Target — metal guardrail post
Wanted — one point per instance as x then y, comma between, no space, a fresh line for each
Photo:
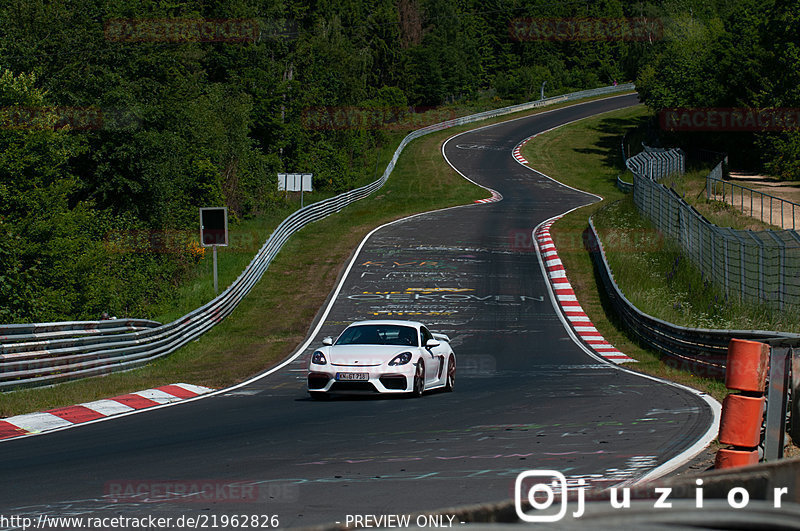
726,266
794,429
741,199
781,245
723,191
713,248
742,262
761,273
777,398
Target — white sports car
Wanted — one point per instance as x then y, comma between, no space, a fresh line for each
382,357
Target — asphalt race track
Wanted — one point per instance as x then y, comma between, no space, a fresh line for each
527,397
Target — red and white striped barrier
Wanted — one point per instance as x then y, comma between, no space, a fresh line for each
54,419
568,302
517,152
496,196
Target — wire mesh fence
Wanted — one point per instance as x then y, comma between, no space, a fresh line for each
766,207
657,163
761,266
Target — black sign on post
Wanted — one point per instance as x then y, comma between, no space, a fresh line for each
214,232
214,226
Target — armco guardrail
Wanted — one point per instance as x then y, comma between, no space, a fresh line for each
17,333
623,186
55,360
699,350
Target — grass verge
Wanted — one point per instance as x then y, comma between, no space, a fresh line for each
692,188
277,314
586,155
659,280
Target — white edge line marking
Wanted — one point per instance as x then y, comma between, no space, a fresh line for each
338,289
716,408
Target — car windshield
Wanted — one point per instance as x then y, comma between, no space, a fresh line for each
379,335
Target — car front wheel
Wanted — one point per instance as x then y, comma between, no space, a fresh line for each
451,375
419,380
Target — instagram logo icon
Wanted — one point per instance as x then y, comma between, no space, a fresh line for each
539,489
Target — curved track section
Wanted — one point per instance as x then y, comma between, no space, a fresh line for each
527,396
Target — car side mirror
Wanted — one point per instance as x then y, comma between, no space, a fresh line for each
328,341
432,343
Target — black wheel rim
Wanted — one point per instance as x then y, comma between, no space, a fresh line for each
451,373
419,382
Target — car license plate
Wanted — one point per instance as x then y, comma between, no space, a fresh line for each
352,376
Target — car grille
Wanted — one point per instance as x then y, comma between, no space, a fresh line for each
354,386
317,381
396,383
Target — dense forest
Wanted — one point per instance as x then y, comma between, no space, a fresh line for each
741,55
125,117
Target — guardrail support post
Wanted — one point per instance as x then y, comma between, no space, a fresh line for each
776,403
794,430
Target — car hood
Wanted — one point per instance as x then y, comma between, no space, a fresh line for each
365,355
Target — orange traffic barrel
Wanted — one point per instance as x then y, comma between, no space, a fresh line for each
740,424
730,458
746,367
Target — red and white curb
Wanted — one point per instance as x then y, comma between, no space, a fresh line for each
54,419
568,302
517,152
496,196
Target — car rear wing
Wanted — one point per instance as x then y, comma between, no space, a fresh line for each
441,337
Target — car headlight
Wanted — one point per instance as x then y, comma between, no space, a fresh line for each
401,359
318,358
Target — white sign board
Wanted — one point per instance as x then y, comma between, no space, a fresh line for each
295,182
